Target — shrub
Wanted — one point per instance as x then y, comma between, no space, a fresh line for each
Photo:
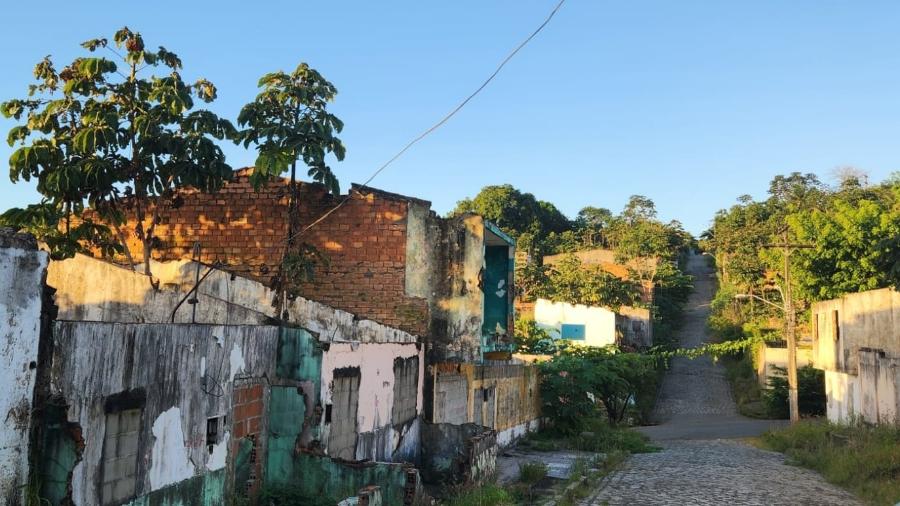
810,393
582,382
532,472
530,338
484,495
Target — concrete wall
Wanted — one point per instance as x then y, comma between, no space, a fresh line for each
769,359
22,272
328,341
599,322
856,340
603,327
446,265
504,397
178,376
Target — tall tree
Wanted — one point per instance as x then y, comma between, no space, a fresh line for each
289,123
115,139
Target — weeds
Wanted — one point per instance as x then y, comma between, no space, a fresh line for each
532,472
863,459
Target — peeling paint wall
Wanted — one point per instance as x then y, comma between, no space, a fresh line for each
99,368
378,438
22,272
512,408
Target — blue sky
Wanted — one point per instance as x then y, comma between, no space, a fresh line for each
690,103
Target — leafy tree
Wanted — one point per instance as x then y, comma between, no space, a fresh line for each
115,139
520,215
289,122
530,338
582,382
572,282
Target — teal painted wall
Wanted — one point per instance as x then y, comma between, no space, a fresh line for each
287,410
59,455
205,490
299,356
496,290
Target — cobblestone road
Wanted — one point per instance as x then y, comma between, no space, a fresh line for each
700,462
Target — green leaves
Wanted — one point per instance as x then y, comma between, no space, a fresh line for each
17,134
94,67
290,123
106,137
93,44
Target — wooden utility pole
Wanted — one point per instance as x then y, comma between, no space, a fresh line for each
790,320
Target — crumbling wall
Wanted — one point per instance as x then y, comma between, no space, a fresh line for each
22,272
246,230
458,453
378,438
180,380
504,397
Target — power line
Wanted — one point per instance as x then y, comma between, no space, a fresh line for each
439,123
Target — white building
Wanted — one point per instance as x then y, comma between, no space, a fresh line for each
857,343
594,325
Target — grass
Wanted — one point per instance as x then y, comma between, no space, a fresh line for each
532,472
745,388
860,458
597,436
488,494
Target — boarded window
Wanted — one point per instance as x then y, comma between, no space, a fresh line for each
484,406
576,332
120,453
406,389
344,404
835,326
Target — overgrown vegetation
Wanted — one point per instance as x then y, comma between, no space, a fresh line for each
810,393
861,458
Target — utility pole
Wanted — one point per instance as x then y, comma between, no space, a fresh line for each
790,320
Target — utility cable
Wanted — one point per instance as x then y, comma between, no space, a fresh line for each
439,123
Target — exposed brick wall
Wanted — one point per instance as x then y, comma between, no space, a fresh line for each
248,405
364,242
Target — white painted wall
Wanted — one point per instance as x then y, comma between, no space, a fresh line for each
22,271
376,383
599,323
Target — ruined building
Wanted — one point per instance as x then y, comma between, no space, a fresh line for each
391,366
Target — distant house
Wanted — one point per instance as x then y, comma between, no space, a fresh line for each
857,343
595,325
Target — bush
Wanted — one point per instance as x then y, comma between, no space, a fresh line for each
810,393
863,459
530,338
582,383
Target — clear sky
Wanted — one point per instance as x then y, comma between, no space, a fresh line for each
690,103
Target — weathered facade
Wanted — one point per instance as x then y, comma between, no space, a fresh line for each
856,340
207,384
388,257
22,271
226,400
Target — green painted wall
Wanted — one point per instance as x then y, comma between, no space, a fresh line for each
496,290
205,490
59,454
287,409
316,476
299,356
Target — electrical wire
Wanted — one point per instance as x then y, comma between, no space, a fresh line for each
437,125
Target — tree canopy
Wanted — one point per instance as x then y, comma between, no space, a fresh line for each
103,133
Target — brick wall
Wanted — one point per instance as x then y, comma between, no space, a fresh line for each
364,243
247,415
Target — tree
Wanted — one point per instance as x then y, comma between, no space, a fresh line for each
116,140
516,213
289,122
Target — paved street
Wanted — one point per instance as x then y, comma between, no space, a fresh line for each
701,461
